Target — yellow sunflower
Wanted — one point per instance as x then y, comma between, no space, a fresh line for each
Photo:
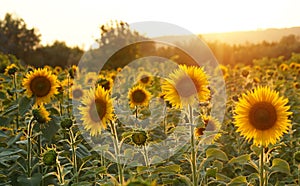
105,82
97,110
184,85
11,69
41,84
40,114
262,115
145,78
76,92
139,96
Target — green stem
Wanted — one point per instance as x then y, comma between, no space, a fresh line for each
59,172
29,158
261,166
74,158
117,152
16,97
193,153
146,156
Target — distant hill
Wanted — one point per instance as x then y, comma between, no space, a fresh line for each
242,37
269,35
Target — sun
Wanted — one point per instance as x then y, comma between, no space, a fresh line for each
185,85
40,84
262,115
97,110
139,96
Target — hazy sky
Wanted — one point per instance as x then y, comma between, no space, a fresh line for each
77,21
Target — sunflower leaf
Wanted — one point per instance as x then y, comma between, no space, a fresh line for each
280,165
214,153
240,159
237,181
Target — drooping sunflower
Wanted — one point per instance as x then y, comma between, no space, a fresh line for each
262,115
97,110
40,114
184,85
139,96
41,84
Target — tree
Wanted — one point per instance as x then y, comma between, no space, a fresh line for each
16,38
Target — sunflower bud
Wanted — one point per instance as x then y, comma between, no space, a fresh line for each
66,123
49,157
139,138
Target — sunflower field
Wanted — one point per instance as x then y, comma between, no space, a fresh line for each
149,126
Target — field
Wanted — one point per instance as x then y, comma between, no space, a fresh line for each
142,125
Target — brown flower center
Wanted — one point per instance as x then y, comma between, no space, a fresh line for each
186,87
98,110
138,96
262,116
77,93
145,79
40,86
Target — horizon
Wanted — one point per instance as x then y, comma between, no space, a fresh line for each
77,23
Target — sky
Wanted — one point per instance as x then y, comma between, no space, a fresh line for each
77,22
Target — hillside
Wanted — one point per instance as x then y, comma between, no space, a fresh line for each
269,35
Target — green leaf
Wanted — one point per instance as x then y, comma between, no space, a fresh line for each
168,169
10,109
240,159
30,181
25,104
280,165
14,139
222,177
2,95
156,159
238,181
215,153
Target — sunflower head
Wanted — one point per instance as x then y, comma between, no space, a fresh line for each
106,83
145,78
11,69
77,92
40,114
40,84
97,110
66,123
139,96
139,137
262,115
72,71
283,67
49,157
184,85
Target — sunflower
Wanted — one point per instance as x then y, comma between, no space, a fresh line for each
41,84
145,78
105,82
262,115
77,92
11,69
97,110
40,114
184,85
138,95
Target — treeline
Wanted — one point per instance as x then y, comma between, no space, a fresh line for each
16,39
246,53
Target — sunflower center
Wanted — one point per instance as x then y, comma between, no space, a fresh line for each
98,110
77,93
40,86
186,87
138,96
145,79
263,116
